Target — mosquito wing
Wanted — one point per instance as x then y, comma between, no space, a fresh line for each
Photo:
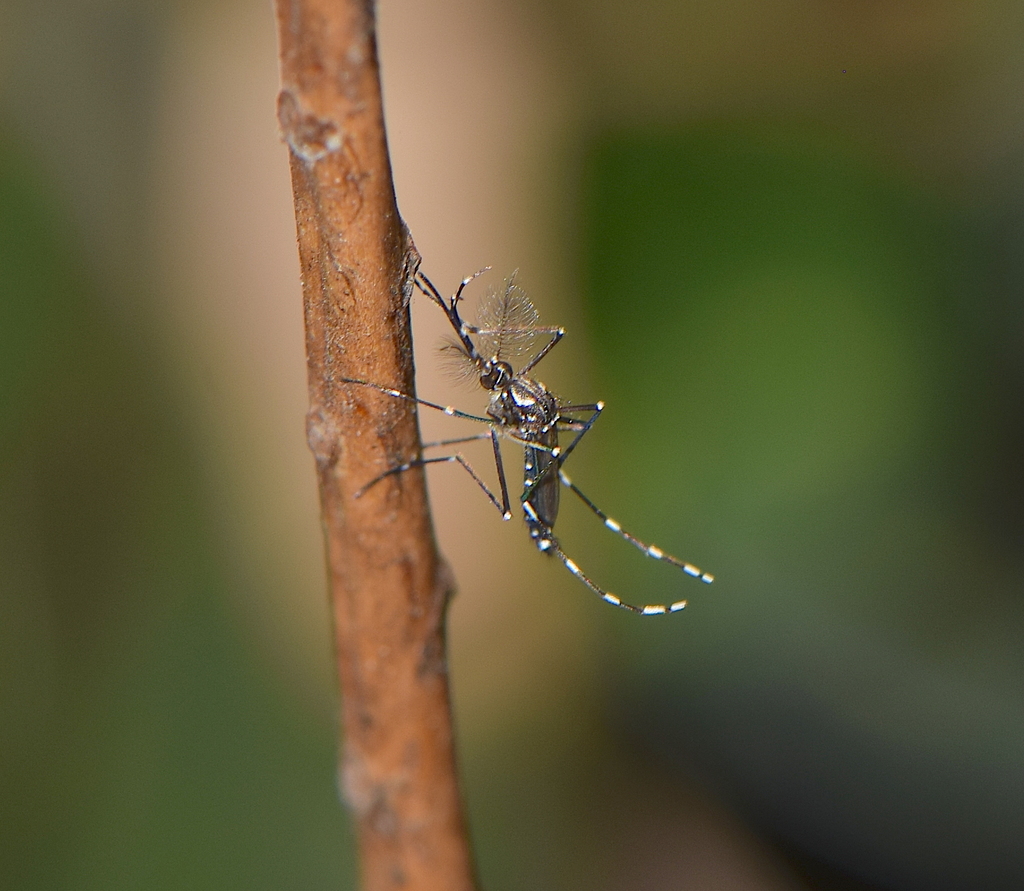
506,322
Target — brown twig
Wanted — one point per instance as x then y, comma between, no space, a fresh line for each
388,587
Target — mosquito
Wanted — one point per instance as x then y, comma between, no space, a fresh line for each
524,410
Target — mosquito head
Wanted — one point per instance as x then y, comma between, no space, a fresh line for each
495,374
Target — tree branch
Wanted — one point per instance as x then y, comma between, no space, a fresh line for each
388,586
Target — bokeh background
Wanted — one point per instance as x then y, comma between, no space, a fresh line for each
787,240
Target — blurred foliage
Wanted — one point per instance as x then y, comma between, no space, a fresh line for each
802,364
144,746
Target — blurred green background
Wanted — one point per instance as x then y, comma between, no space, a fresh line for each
787,242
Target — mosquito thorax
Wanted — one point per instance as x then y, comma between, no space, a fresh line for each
495,374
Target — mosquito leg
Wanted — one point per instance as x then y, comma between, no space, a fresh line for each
557,335
562,454
596,408
422,462
506,510
457,296
447,409
650,550
427,287
532,329
446,442
451,308
532,487
572,409
651,609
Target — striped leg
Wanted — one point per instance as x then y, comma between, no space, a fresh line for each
580,427
446,409
505,512
583,426
651,609
652,551
548,544
427,287
503,506
446,442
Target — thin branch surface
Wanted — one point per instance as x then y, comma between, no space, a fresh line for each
388,587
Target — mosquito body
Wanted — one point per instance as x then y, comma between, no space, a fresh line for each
522,409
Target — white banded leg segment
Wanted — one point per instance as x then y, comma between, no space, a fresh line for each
398,394
444,459
461,439
652,551
581,428
651,609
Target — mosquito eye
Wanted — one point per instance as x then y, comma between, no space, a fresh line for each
495,374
